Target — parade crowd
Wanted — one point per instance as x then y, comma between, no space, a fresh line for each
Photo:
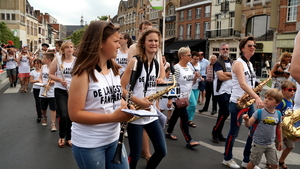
87,87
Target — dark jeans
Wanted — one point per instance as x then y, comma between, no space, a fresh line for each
37,99
223,101
210,93
61,97
135,139
182,113
234,131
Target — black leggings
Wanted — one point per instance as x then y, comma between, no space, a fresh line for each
37,99
61,98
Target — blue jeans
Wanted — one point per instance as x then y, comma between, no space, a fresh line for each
193,104
135,139
234,131
100,157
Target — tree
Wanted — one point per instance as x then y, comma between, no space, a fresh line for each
76,36
103,18
6,35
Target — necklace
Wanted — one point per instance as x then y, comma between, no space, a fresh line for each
110,87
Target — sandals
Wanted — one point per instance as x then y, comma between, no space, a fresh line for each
282,165
192,124
170,136
69,143
61,143
190,145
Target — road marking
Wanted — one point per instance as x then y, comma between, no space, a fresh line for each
13,89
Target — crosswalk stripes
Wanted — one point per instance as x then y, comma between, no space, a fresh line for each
13,89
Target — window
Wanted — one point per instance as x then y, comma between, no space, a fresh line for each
206,28
207,11
198,13
197,31
171,10
259,27
2,16
190,14
292,10
231,19
181,16
188,31
13,16
219,23
7,16
180,32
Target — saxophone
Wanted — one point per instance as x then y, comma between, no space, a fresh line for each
153,97
246,100
288,128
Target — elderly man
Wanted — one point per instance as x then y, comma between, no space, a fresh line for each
222,90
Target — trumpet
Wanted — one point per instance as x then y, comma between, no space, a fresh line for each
47,87
61,68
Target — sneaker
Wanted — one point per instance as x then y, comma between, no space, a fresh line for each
230,163
44,121
244,165
222,138
53,127
15,84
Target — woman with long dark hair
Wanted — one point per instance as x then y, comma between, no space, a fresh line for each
95,99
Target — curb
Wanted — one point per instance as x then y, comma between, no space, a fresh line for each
3,82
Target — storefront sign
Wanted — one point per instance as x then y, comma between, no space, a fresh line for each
259,46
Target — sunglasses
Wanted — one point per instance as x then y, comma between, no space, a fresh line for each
249,46
225,49
290,89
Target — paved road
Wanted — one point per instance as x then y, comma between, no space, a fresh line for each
25,144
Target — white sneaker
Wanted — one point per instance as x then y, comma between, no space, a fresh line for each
230,163
244,165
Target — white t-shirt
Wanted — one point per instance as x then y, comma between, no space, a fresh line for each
99,99
138,92
10,63
237,91
45,77
35,76
67,71
226,85
122,60
198,68
184,77
24,65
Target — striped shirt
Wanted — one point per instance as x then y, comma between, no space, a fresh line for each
209,73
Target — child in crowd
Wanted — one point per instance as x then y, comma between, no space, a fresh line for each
47,92
164,100
34,78
268,122
288,92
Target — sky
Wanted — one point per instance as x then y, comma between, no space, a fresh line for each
68,12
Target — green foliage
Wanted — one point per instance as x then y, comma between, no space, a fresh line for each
6,35
103,18
76,36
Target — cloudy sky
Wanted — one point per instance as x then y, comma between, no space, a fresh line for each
68,12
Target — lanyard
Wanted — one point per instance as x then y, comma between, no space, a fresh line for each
147,75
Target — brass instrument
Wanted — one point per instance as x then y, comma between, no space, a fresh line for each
246,100
47,87
153,97
288,128
61,68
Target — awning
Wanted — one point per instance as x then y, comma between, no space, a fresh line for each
194,45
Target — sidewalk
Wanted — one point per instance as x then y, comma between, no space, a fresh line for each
3,79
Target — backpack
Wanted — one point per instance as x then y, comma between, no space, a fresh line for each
254,126
284,104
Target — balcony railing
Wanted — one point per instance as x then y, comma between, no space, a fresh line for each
222,33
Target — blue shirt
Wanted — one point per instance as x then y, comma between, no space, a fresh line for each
284,105
203,63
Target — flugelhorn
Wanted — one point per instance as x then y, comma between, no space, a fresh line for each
46,87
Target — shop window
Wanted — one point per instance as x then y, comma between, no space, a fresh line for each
259,27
